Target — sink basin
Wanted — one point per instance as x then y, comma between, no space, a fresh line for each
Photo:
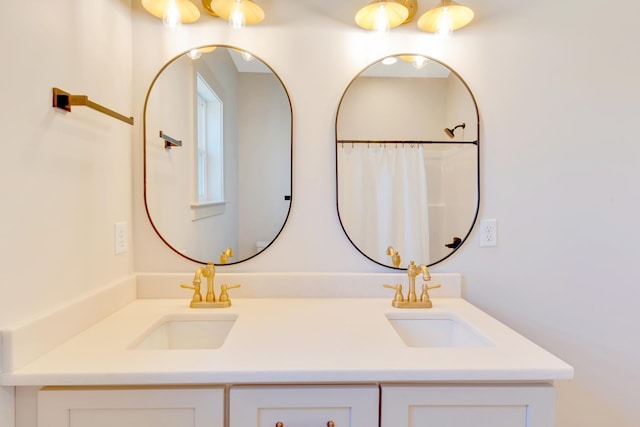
187,332
436,330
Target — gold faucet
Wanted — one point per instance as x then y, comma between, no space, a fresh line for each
226,254
208,272
412,300
395,256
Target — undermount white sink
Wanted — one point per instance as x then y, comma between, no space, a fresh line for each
436,330
187,332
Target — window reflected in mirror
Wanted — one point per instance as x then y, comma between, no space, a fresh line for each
209,155
228,185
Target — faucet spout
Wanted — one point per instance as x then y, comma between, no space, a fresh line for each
413,271
425,273
412,300
208,272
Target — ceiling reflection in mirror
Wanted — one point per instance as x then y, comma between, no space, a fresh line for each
407,157
217,155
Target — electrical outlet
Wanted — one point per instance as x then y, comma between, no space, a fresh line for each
488,232
120,237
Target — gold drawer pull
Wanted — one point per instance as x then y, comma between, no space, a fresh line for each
329,424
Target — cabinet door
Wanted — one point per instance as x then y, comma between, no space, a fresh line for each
135,407
468,406
304,406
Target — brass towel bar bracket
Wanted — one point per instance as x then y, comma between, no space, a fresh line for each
170,142
65,100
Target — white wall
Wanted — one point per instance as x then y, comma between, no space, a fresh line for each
380,108
558,94
264,160
66,177
170,173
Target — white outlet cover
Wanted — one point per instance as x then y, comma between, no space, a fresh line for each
120,237
488,232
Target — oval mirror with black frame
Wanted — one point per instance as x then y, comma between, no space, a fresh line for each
407,161
217,155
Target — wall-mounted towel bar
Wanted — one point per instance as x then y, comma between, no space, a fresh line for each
65,100
170,142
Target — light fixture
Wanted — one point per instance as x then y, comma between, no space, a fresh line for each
197,52
238,12
172,12
194,54
382,15
417,61
445,18
176,12
244,54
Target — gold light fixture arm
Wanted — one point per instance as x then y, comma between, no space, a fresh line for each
64,100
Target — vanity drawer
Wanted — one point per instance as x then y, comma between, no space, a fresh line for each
468,405
304,406
131,407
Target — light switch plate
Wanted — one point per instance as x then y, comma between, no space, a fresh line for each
120,237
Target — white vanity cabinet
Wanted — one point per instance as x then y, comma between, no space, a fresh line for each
131,407
467,405
270,405
302,406
377,380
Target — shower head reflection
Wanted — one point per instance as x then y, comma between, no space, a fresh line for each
451,132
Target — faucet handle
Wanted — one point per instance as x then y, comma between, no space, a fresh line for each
398,297
425,292
197,296
224,295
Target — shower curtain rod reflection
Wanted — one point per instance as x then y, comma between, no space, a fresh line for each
361,141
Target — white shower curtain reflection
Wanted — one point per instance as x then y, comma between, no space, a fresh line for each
382,199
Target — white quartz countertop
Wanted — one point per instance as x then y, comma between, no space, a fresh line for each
290,340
